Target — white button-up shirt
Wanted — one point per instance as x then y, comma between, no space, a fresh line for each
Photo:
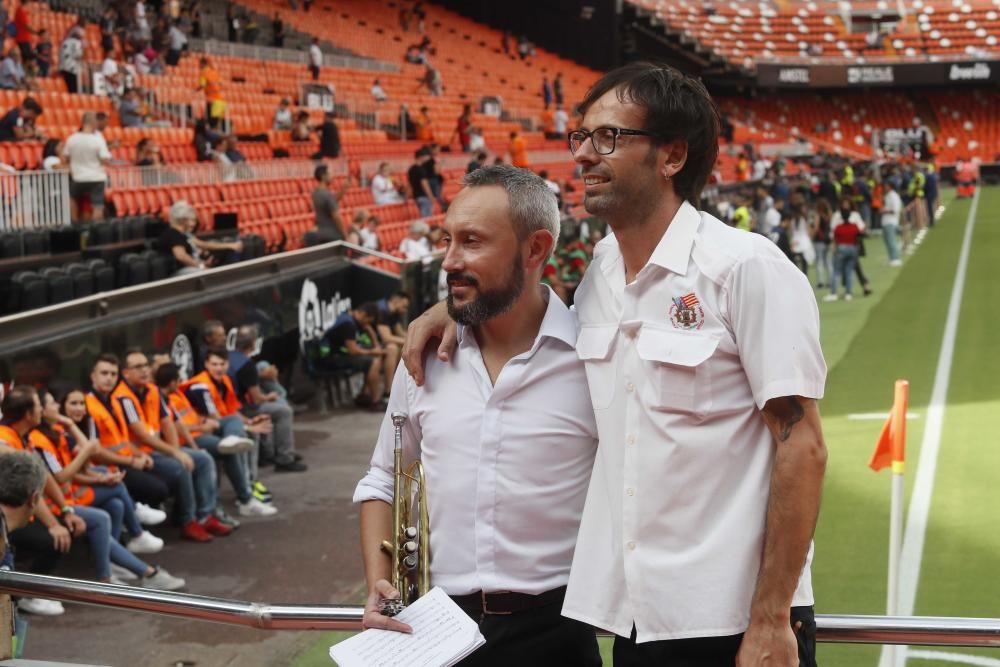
679,363
507,465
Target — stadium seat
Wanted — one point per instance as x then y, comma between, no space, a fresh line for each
133,269
28,291
83,279
59,285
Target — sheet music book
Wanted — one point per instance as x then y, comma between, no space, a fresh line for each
443,634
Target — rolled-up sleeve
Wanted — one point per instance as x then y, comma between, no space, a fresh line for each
377,484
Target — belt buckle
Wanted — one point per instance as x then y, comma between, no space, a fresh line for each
487,611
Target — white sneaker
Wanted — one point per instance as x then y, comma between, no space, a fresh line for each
146,543
122,574
234,444
162,580
149,516
254,507
896,262
830,297
41,607
848,297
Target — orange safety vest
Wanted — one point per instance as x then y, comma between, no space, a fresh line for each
185,412
75,494
111,428
10,437
209,80
149,410
518,152
229,406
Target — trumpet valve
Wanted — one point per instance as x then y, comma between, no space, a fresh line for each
410,533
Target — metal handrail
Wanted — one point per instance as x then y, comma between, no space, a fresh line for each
910,630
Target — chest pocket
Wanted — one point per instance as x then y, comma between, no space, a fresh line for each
680,377
593,346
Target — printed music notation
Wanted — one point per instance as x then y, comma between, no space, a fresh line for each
442,635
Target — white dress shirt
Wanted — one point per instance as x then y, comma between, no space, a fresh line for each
507,465
679,364
891,208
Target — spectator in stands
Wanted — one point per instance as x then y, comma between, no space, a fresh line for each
176,43
462,127
557,89
22,484
518,149
251,29
112,74
892,209
246,380
351,345
210,83
477,162
231,150
277,32
130,110
384,190
87,153
546,92
326,205
523,47
300,128
232,22
222,437
393,311
51,156
378,94
148,154
43,53
560,119
191,253
315,59
433,81
18,124
422,124
369,234
71,59
22,31
282,116
107,24
822,237
12,71
476,141
353,234
420,186
329,138
415,246
205,140
434,176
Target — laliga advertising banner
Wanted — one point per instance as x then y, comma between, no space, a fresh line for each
773,75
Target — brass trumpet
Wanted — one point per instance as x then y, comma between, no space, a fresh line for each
410,548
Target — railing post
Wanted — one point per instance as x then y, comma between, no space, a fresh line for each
6,627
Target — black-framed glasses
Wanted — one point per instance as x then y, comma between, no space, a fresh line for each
604,139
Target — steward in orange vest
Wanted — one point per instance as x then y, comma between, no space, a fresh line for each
56,456
211,398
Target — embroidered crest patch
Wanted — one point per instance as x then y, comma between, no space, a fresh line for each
686,312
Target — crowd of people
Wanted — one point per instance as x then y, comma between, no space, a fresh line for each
138,439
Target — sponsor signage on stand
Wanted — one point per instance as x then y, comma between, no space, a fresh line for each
774,75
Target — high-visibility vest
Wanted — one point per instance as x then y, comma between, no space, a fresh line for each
148,409
210,82
112,431
75,494
185,412
10,437
225,407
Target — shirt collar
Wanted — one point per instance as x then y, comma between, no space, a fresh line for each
558,322
672,252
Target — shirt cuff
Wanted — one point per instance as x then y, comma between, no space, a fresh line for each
789,387
376,485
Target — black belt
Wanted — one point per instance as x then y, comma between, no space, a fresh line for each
504,604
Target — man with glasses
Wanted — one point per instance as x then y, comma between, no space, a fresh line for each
701,346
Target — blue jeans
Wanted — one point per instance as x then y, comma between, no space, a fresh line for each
232,464
845,258
425,205
889,233
116,501
105,550
824,263
188,487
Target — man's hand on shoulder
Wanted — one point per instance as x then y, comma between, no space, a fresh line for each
434,323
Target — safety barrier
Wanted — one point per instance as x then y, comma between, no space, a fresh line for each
33,199
206,173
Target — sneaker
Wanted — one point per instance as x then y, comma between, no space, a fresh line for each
122,582
195,532
224,517
149,516
215,527
123,575
41,607
162,580
260,492
830,297
868,291
291,466
896,262
146,543
254,507
848,297
234,444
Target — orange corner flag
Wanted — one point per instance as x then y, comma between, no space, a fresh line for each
891,447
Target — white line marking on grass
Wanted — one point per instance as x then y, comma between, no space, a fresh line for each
878,416
923,486
962,658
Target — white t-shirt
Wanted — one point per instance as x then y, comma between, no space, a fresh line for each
560,119
369,239
772,218
85,151
414,249
315,55
892,206
70,55
384,191
378,93
109,67
51,163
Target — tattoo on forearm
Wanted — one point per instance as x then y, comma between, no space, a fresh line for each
792,414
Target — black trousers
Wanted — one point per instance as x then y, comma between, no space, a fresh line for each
708,651
539,637
34,550
145,487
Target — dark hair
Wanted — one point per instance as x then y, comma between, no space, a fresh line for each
51,148
219,352
31,104
18,402
166,373
678,107
369,309
400,295
320,172
107,357
84,423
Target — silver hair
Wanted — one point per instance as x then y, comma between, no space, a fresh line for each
533,205
21,474
89,118
246,337
181,210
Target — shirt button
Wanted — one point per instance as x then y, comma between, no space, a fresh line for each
631,546
630,491
630,387
631,440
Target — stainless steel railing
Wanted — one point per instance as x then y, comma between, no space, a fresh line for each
911,630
